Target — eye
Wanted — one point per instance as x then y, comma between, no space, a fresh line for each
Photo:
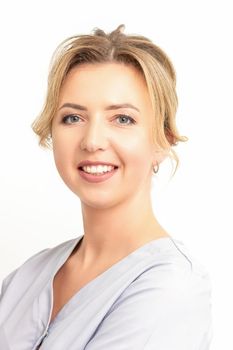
124,117
71,117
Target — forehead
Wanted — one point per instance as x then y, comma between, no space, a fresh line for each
113,82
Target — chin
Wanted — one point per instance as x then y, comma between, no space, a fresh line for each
99,204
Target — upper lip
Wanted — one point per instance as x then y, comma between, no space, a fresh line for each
88,162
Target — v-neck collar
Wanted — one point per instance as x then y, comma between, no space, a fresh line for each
148,247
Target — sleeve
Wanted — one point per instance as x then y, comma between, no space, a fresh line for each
160,311
6,282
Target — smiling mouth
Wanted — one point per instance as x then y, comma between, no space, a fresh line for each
97,176
96,173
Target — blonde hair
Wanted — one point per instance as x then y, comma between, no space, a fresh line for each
135,50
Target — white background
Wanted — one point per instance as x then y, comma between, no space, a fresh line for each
38,211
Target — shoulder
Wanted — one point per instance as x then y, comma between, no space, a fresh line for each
173,265
33,266
181,294
175,286
177,276
168,305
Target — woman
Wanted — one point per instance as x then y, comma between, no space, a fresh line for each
125,283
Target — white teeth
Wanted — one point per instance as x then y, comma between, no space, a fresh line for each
97,169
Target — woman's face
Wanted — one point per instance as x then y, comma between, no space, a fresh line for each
96,128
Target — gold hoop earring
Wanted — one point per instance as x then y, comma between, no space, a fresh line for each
156,168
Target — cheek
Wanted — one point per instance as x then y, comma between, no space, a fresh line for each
63,155
136,152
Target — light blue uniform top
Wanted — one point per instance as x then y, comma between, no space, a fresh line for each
156,298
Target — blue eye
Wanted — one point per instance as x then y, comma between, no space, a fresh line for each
126,117
71,117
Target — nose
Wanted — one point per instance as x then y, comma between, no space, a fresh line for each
94,137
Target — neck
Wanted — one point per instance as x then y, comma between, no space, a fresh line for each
114,232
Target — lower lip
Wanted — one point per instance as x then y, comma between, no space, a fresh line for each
97,178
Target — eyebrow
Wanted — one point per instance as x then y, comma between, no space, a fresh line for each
108,108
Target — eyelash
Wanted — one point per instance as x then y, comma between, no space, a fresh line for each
119,115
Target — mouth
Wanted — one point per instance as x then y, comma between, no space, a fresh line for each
82,169
96,175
